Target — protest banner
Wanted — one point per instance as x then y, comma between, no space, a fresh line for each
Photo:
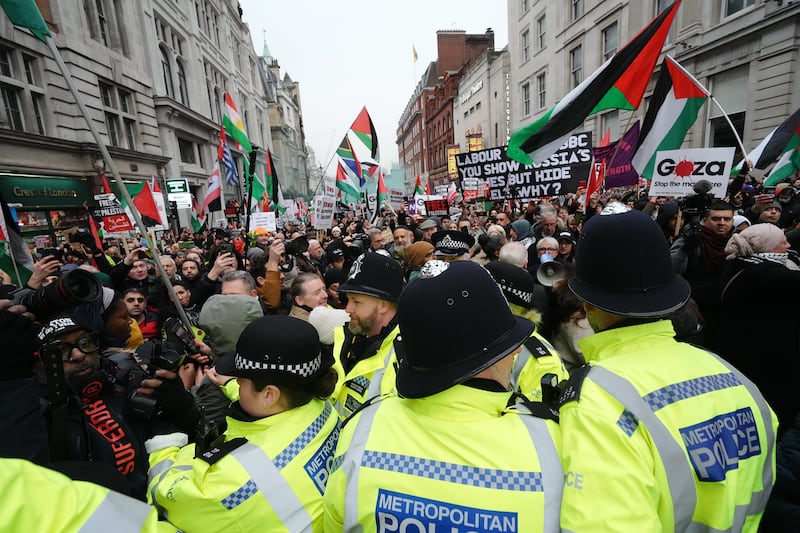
677,171
506,178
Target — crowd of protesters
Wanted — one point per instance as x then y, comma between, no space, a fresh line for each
197,420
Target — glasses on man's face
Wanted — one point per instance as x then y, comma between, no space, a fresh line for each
87,344
134,300
547,249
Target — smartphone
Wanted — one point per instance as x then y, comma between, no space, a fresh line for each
582,184
769,190
54,252
578,217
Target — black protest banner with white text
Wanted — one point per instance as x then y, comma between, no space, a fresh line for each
557,175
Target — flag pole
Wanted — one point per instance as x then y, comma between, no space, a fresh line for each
728,119
115,172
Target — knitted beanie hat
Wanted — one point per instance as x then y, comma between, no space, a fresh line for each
417,251
757,238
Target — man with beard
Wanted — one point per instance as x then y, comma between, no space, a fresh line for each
364,348
699,256
85,420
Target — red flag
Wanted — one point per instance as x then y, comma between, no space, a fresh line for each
106,186
606,138
146,205
595,180
428,188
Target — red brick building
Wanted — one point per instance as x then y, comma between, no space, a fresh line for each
426,126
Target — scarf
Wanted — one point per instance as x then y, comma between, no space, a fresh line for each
713,246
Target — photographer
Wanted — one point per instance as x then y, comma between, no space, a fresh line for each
223,259
699,256
86,418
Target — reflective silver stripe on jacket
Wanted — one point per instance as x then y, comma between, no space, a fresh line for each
519,364
377,377
117,513
161,469
680,478
551,470
351,465
549,480
273,487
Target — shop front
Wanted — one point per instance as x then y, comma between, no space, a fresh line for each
46,205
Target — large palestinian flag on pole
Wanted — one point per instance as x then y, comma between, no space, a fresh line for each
773,146
619,83
673,109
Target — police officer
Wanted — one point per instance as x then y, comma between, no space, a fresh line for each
658,435
38,499
448,455
538,359
270,471
363,348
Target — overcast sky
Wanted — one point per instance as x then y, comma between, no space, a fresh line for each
350,53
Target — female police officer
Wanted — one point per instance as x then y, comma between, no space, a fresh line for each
270,472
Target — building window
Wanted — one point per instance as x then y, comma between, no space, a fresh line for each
576,66
166,73
541,90
540,33
576,9
526,45
12,108
187,151
730,88
119,114
102,22
22,97
182,87
609,122
734,6
524,6
610,41
526,99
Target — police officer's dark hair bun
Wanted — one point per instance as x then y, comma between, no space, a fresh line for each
299,394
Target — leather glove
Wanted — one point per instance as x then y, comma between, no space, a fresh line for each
18,339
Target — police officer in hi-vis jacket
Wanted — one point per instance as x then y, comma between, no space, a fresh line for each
448,455
658,435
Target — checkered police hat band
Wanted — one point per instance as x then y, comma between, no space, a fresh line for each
523,295
306,369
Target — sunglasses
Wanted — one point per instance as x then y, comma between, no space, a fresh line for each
87,344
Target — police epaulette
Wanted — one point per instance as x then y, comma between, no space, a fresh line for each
537,347
537,409
572,387
218,452
367,403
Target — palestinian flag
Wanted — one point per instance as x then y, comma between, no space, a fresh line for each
673,109
618,84
274,193
143,201
26,14
259,200
789,164
345,183
198,217
382,194
364,129
15,257
234,124
773,145
418,187
348,156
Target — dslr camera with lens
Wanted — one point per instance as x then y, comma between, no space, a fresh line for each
163,356
72,288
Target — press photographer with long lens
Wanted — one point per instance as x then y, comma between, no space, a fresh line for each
698,254
88,416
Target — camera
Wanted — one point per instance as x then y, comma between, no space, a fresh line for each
695,205
162,356
72,288
294,248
